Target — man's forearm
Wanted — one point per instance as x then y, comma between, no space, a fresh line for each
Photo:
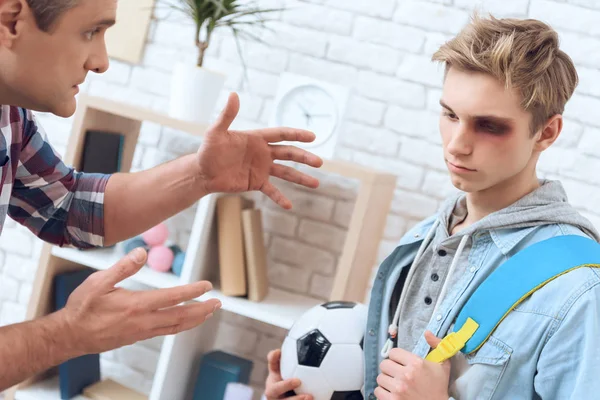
135,202
32,347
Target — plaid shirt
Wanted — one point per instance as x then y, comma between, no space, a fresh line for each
58,204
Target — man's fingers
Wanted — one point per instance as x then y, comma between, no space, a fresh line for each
274,135
292,175
194,312
182,318
278,389
274,194
124,268
228,114
163,298
293,153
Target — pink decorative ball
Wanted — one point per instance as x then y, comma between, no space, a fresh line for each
156,236
160,258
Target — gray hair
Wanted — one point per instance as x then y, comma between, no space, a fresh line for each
47,12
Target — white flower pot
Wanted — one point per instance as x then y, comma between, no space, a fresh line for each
194,92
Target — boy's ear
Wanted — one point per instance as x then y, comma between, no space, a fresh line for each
11,11
549,133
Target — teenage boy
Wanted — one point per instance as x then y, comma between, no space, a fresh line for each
505,87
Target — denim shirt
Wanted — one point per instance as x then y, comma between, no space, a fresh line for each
546,348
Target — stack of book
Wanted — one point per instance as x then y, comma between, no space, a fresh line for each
242,252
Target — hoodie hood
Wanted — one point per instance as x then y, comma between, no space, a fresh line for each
546,205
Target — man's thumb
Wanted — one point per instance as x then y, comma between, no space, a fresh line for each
126,266
229,113
432,340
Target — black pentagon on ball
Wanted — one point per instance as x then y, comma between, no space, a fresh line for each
312,349
352,395
332,305
362,343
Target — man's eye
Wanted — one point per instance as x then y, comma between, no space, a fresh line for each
90,34
450,115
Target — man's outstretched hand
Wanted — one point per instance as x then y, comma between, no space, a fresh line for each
99,316
238,161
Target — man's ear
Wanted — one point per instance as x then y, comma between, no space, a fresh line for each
11,11
549,133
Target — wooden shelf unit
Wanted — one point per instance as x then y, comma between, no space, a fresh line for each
180,353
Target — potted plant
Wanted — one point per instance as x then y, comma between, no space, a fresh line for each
195,89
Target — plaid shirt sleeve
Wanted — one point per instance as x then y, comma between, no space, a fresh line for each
57,203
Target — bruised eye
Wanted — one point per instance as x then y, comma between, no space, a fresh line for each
492,128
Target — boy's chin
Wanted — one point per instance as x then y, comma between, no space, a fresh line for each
463,185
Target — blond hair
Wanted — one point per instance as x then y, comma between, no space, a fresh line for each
523,54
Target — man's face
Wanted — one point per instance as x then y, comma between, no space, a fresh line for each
485,133
45,68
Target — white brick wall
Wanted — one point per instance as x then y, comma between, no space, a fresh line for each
381,49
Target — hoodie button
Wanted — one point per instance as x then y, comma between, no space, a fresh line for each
428,300
442,253
435,277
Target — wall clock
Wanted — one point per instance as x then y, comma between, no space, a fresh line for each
313,105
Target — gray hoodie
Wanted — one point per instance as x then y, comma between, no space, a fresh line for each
420,290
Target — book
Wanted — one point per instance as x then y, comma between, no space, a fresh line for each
75,374
217,370
111,390
102,152
256,254
232,263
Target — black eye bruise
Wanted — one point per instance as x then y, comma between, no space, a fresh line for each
491,127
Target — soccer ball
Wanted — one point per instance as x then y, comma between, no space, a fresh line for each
324,349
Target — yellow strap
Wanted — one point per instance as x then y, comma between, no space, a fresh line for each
453,343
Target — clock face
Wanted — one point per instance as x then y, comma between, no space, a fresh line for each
311,108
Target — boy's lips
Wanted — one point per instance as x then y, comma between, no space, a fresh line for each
459,167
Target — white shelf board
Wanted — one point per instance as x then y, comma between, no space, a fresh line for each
44,390
101,259
279,308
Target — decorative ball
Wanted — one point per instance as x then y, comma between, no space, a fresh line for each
157,235
178,260
324,349
134,243
160,258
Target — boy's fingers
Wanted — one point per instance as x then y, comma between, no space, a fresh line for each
278,389
273,359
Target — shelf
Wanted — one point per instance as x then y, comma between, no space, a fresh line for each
43,390
141,114
101,259
279,308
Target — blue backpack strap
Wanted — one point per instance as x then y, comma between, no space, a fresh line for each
510,284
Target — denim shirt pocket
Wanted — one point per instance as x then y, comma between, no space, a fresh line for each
490,362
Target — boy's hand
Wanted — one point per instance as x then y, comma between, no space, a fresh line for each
276,387
404,376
